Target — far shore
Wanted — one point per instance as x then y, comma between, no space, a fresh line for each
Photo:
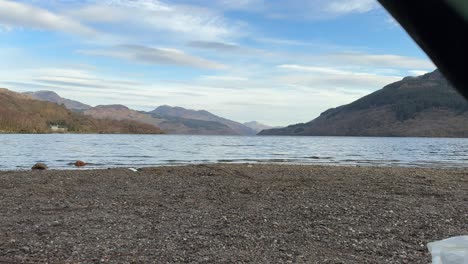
248,213
256,135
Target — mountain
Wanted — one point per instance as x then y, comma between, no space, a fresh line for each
50,96
20,113
169,124
424,106
121,112
179,113
257,126
172,120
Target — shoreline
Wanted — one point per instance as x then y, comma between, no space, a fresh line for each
89,166
255,213
226,135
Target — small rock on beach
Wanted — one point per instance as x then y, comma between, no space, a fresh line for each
80,163
39,166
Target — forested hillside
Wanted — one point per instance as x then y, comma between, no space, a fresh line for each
424,106
19,113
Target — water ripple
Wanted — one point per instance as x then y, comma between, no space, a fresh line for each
103,151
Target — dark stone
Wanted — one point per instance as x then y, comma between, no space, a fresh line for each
80,163
39,166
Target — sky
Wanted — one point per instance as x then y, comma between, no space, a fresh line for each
273,61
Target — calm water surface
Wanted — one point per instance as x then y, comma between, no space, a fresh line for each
104,151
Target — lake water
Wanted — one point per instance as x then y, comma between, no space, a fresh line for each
104,151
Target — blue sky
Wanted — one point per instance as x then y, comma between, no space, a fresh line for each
277,62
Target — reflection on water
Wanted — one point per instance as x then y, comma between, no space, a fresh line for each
103,151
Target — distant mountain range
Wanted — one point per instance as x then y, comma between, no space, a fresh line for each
257,126
201,119
424,106
55,98
172,120
22,113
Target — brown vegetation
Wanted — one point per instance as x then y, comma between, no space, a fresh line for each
21,114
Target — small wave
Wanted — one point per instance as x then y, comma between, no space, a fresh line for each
136,156
174,161
226,145
317,157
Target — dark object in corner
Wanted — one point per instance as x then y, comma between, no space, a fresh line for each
442,32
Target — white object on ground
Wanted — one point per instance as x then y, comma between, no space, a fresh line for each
453,250
133,169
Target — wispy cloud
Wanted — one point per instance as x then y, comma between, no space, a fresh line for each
222,78
217,46
315,77
143,17
277,41
137,20
16,14
418,72
341,7
318,9
381,60
157,56
66,80
297,9
315,69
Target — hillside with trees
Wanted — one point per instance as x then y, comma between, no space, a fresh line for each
424,106
20,113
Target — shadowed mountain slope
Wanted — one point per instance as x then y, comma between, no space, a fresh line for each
169,112
424,106
53,97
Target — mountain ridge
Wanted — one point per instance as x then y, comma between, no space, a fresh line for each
21,113
167,111
423,106
173,120
51,96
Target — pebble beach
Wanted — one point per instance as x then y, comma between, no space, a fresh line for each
225,213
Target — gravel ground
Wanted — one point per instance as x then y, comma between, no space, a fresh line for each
230,213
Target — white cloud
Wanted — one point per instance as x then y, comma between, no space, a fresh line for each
417,72
314,77
5,28
145,18
318,9
296,9
392,21
217,46
15,14
222,78
277,41
98,13
158,56
345,82
315,69
380,60
71,73
341,7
